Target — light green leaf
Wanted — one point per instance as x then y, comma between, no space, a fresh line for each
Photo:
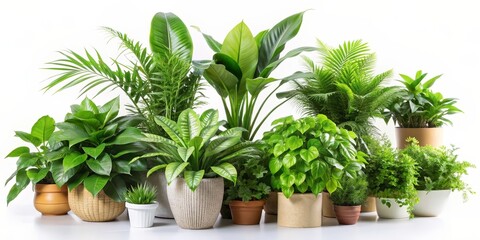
95,183
292,53
334,162
27,137
287,191
289,160
256,85
43,128
73,159
279,148
300,178
331,185
88,105
209,117
227,171
150,155
94,152
185,153
193,178
287,179
294,142
156,168
109,111
174,169
102,166
171,128
129,135
188,125
37,175
211,42
310,154
18,151
274,165
221,144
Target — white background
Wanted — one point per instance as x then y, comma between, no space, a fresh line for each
437,36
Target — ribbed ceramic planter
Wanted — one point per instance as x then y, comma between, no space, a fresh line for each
392,212
300,210
327,206
431,203
271,204
198,209
369,205
158,180
50,199
141,215
100,208
425,136
347,215
246,213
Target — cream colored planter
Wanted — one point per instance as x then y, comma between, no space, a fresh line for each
100,208
369,205
431,203
158,180
300,210
141,215
425,136
327,206
393,212
198,209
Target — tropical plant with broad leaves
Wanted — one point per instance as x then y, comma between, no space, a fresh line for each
241,68
33,165
196,149
100,147
344,87
161,81
311,154
419,106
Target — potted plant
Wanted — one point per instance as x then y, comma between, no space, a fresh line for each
391,179
159,80
96,166
247,196
35,167
307,156
439,173
420,112
141,205
349,198
198,158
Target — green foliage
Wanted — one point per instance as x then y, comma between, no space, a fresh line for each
438,168
33,165
241,68
161,82
196,149
390,174
344,87
141,194
352,191
310,154
419,106
100,145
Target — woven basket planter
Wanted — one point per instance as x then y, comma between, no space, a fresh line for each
199,209
100,208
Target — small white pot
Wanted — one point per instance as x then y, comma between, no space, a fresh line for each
431,203
141,215
392,212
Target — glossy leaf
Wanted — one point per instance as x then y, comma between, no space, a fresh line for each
21,183
174,169
227,171
94,152
188,125
292,53
294,142
289,160
43,128
18,151
71,133
129,135
300,178
27,137
209,117
274,165
116,189
193,178
309,154
256,85
171,128
230,64
37,175
121,167
156,168
221,79
102,166
109,110
95,183
185,153
60,176
287,179
73,159
279,149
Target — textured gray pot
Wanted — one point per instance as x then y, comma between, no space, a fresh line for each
198,209
158,180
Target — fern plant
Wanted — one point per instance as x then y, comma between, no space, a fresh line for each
344,87
161,81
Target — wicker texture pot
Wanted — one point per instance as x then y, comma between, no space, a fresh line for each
327,206
271,204
100,208
199,209
158,180
246,213
51,200
369,205
300,210
425,136
347,215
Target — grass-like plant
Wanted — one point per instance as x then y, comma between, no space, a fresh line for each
141,194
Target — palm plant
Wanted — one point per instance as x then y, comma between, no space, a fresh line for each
161,81
344,87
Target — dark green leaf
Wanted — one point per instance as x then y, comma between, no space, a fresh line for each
129,135
21,183
94,152
95,183
27,137
73,159
221,79
102,166
36,175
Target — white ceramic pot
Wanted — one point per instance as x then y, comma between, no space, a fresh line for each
300,210
431,203
158,180
393,212
141,215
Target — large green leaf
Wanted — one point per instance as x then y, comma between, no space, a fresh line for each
77,179
18,151
193,178
294,142
221,79
171,128
156,168
289,160
275,39
95,183
102,166
27,137
274,165
129,135
116,188
287,179
109,110
292,53
73,159
21,183
43,128
230,64
188,125
256,85
185,153
59,175
227,171
209,117
212,43
169,36
309,154
150,155
94,152
71,133
221,144
174,169
37,175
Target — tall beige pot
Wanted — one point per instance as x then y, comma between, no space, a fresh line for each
199,209
300,210
100,208
425,136
158,180
327,206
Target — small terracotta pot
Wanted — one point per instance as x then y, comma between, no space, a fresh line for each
369,205
246,213
425,136
51,200
327,206
347,215
271,204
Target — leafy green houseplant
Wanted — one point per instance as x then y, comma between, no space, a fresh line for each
344,87
141,204
241,68
252,182
348,198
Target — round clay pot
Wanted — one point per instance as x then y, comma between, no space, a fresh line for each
327,206
50,199
271,204
369,205
246,213
301,210
431,203
347,215
100,208
425,136
198,209
392,212
158,180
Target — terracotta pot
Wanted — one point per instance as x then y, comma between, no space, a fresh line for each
369,205
431,203
100,208
300,210
198,209
327,206
158,180
425,136
141,215
347,215
394,211
271,204
50,199
246,213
